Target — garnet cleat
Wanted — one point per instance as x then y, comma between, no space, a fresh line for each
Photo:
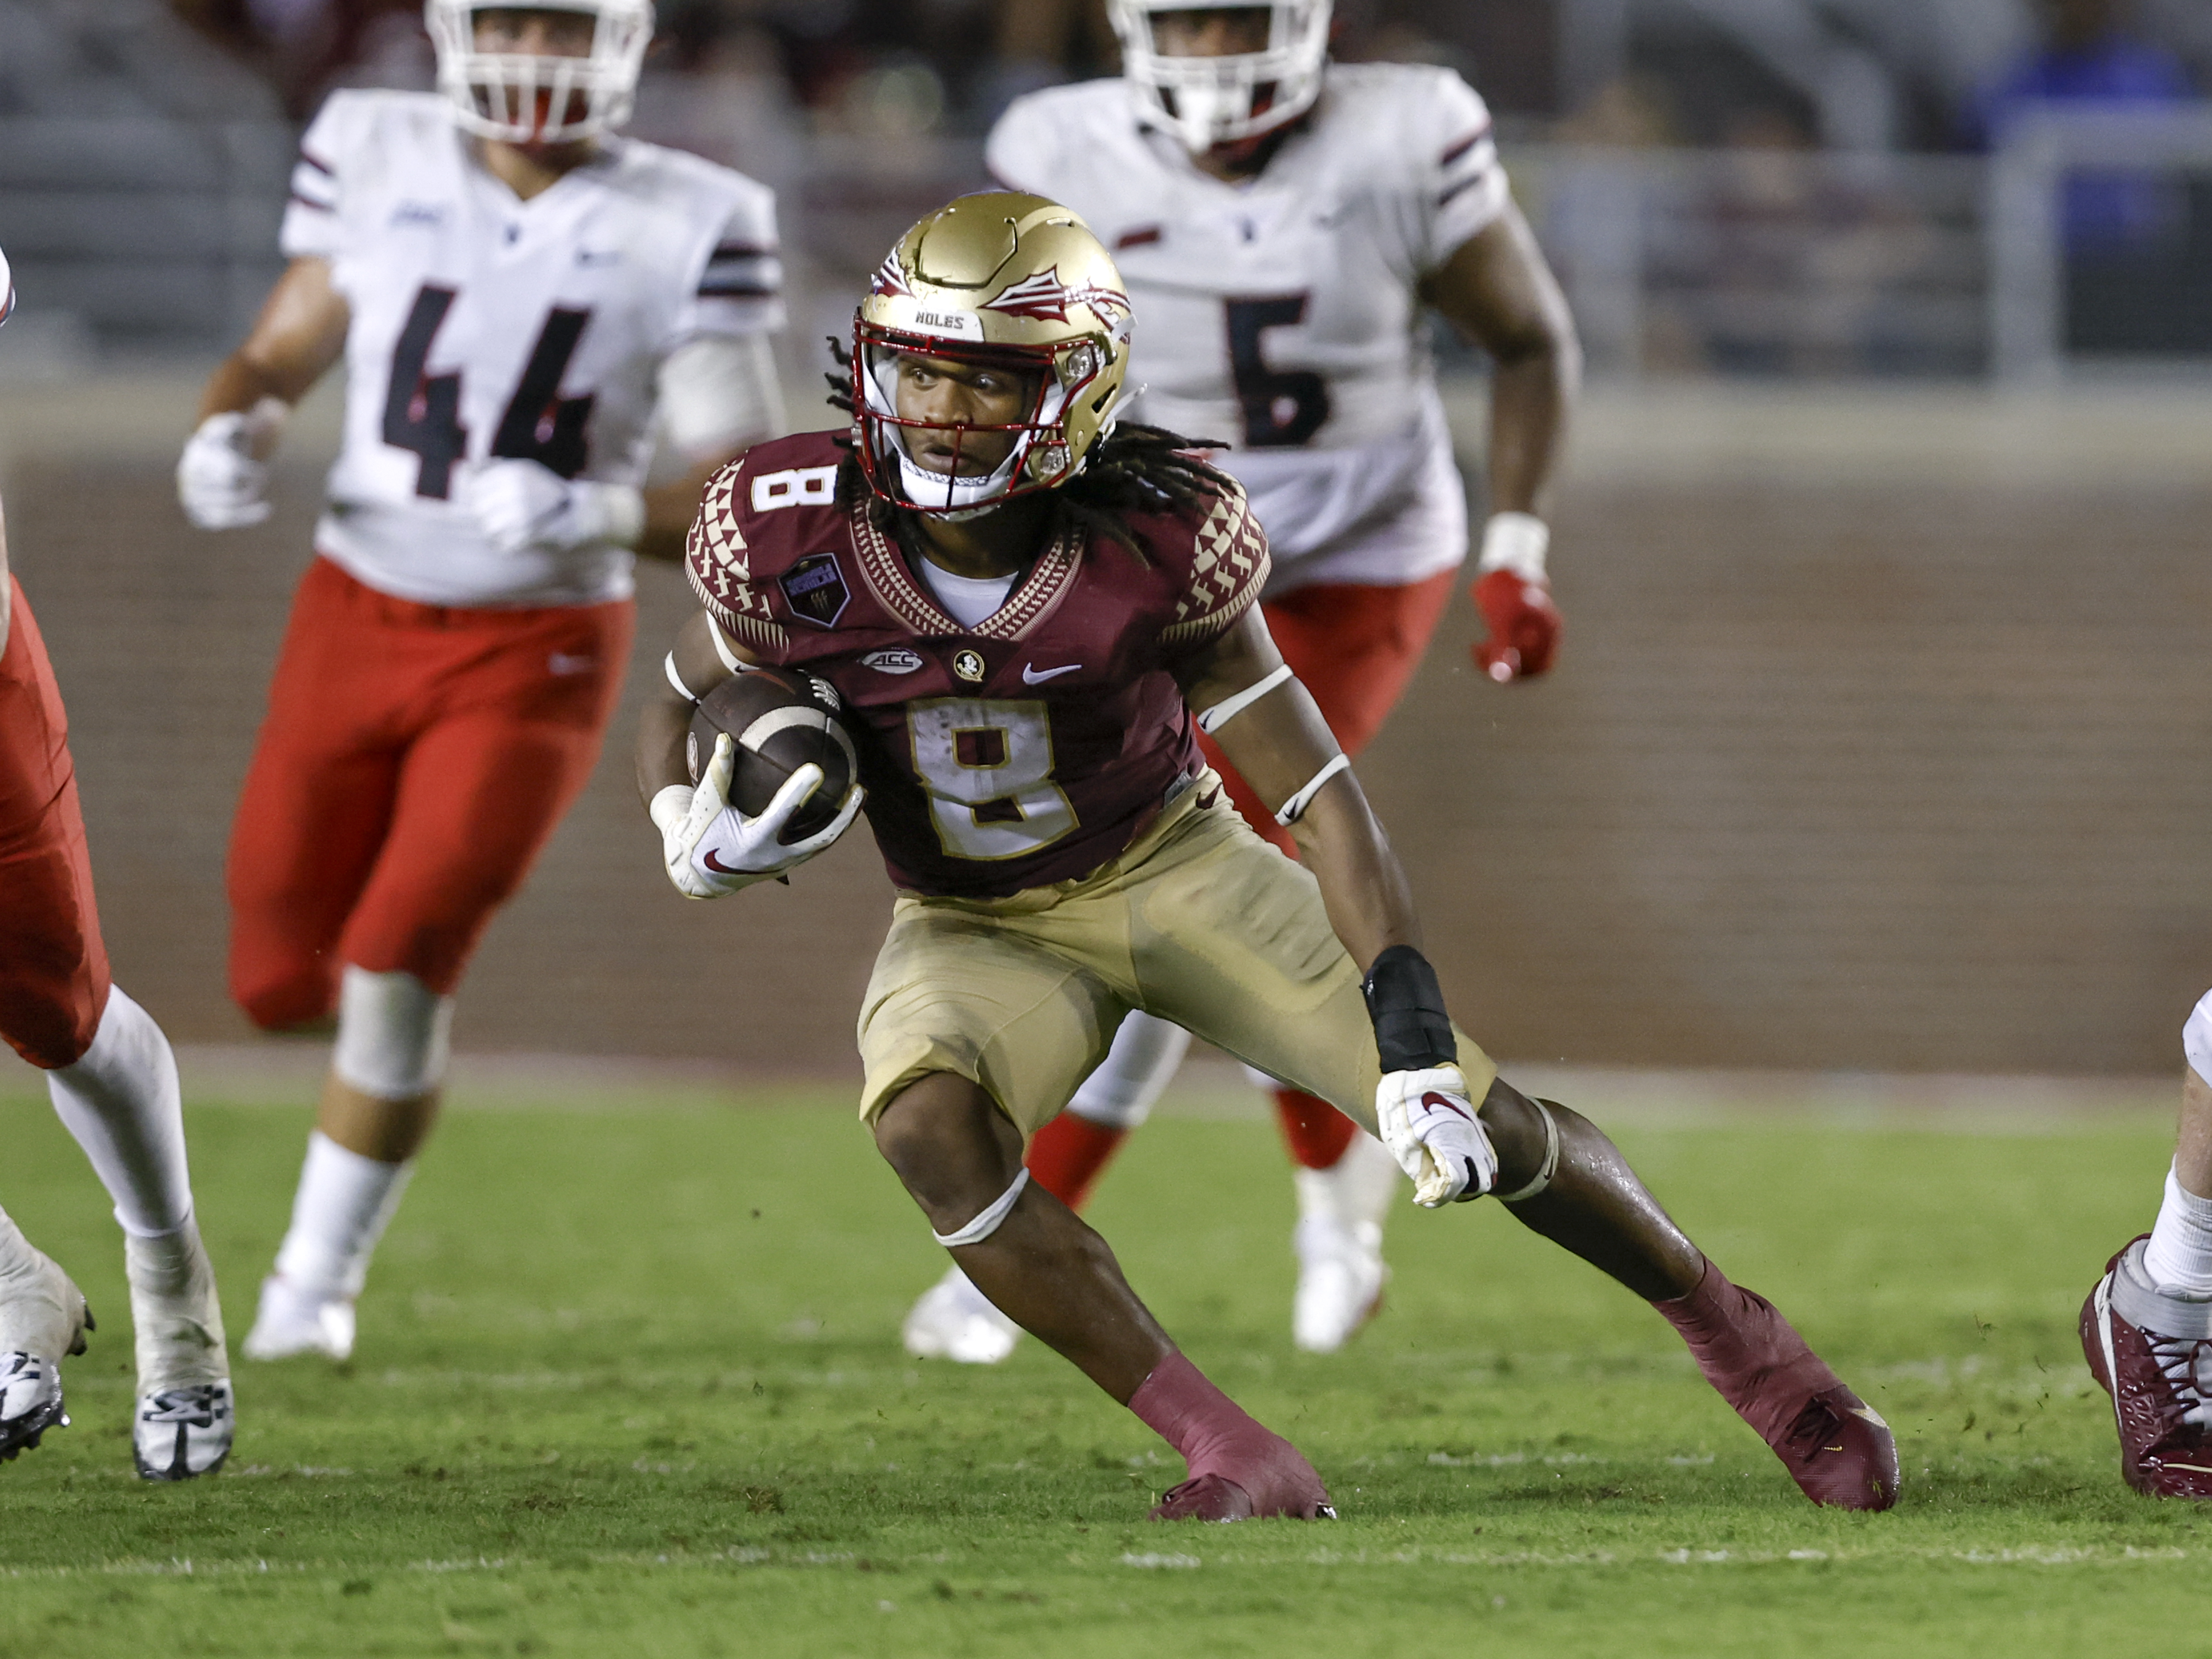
2152,1352
1262,1475
1836,1447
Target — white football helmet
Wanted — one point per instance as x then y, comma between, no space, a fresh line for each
522,99
1207,101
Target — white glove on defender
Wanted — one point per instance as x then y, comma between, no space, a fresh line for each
222,480
709,849
519,504
1427,1121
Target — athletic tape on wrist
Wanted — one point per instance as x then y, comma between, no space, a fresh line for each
988,1223
1413,1032
1295,808
1516,541
1551,1163
1230,707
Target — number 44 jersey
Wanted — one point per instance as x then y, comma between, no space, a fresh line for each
1279,315
485,326
1031,748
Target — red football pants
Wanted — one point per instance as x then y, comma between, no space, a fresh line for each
414,759
53,964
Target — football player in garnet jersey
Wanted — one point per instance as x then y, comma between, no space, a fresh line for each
1020,605
515,292
2146,1328
112,1081
1281,222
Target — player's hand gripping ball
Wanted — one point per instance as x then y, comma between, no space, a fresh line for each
774,768
1523,623
1429,1123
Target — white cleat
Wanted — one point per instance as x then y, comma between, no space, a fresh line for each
43,1318
293,1322
186,1416
1341,1274
952,1321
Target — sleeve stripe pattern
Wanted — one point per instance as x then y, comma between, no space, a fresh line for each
313,189
1464,145
311,159
741,271
718,565
1478,153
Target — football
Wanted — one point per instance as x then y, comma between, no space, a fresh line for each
779,719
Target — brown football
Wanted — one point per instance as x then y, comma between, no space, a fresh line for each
780,720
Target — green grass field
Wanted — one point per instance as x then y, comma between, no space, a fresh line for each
629,1383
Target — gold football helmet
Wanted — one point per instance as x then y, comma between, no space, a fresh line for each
999,279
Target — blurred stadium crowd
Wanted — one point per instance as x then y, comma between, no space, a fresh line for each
1750,187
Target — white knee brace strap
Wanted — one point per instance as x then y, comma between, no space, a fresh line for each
1551,1163
2196,1038
988,1223
394,1035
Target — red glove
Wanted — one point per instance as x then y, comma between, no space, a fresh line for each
1524,625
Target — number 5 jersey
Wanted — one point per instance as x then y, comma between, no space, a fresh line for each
1279,315
486,326
1031,748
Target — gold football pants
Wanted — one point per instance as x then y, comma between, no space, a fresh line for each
1200,921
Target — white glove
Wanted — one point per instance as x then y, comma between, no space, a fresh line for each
221,478
709,849
519,504
1427,1121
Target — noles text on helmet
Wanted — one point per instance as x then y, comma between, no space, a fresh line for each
1003,285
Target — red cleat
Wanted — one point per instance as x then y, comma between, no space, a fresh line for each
1240,1469
2152,1376
1836,1447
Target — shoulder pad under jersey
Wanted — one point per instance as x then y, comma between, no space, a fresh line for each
758,517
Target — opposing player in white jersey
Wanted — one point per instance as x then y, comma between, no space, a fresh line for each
516,292
1280,221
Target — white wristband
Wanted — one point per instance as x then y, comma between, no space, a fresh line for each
1516,542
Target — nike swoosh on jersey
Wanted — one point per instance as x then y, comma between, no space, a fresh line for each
1032,675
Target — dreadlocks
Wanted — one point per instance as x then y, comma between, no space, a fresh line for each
1132,469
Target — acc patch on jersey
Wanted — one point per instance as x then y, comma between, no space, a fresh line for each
815,589
896,660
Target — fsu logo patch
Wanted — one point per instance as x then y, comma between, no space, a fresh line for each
814,590
969,665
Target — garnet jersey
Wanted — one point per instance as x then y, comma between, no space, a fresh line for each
1029,749
485,325
1279,313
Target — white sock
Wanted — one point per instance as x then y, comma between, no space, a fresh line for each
340,1211
1136,1072
1358,1189
2180,1255
121,1101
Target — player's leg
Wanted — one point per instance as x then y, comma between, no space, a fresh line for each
966,1026
480,791
955,1321
1355,648
2147,1327
317,803
1234,943
109,1071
